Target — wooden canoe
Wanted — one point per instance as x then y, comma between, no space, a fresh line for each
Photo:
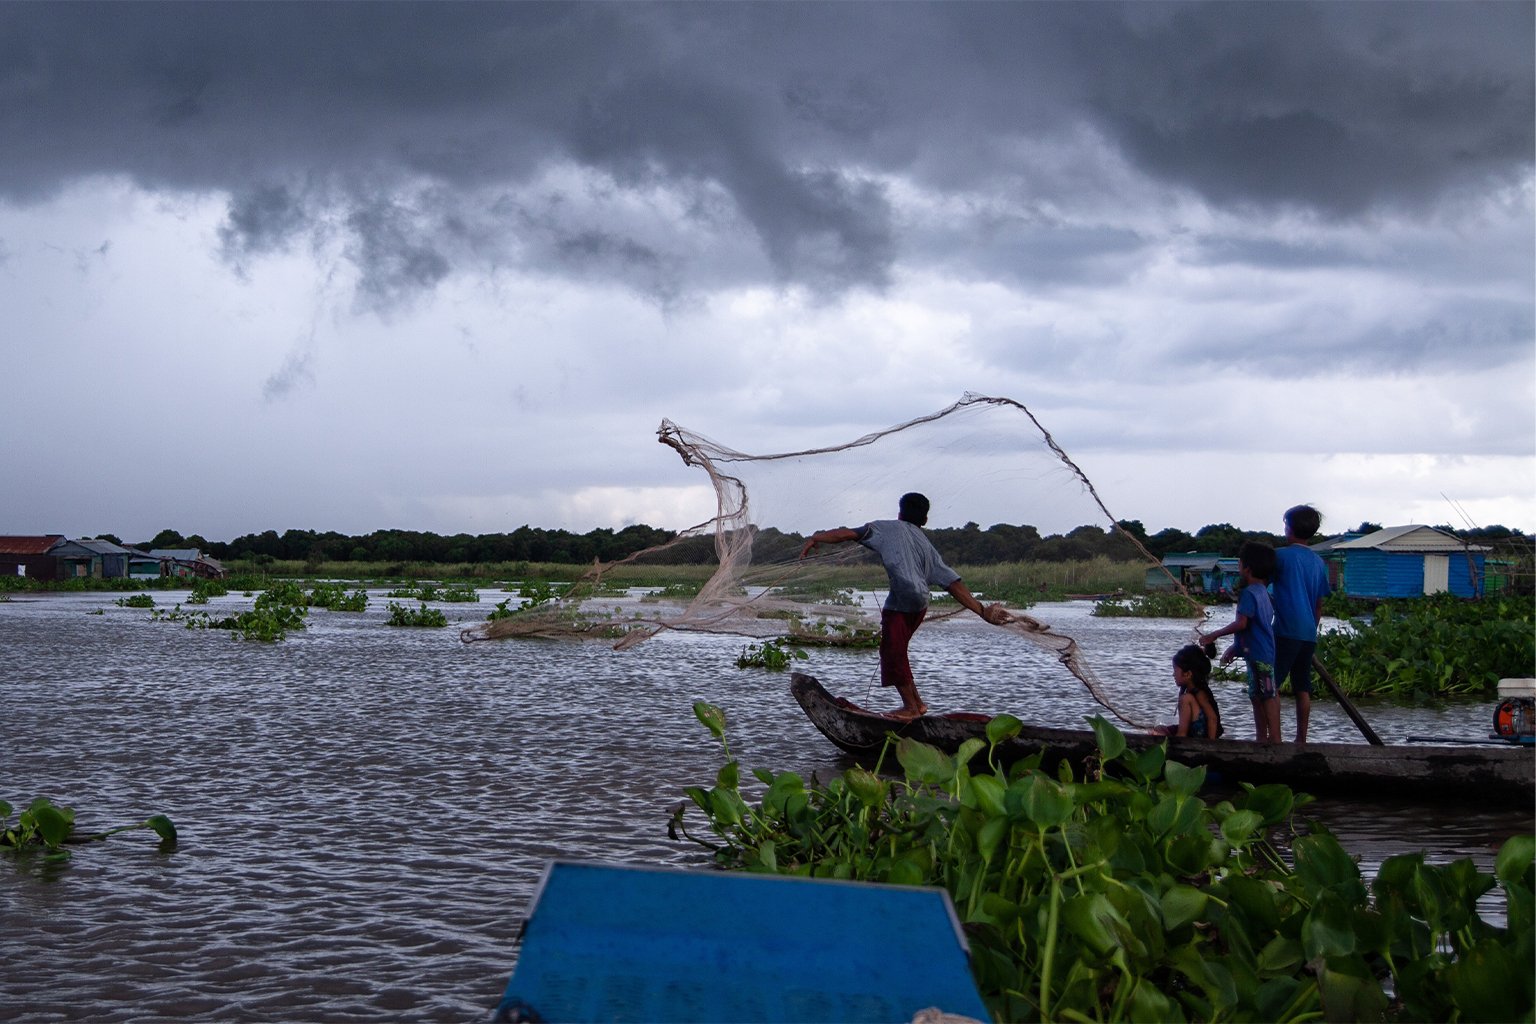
1495,773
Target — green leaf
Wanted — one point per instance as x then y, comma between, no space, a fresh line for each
1281,956
1514,862
1483,984
987,795
1093,919
163,827
1046,802
712,717
1240,825
905,871
1181,905
52,824
968,749
729,775
1182,779
1002,728
990,836
1328,929
867,787
1149,763
1110,739
924,763
1324,865
1348,990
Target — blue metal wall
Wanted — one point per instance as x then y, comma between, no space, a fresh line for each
1401,574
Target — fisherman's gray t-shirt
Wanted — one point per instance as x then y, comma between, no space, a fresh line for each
911,562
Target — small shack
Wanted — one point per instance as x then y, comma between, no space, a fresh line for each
98,559
1201,572
184,563
30,556
1406,561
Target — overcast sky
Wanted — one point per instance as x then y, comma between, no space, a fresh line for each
438,267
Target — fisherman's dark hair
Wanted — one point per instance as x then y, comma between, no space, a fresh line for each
1303,521
914,508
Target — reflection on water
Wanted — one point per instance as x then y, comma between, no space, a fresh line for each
364,811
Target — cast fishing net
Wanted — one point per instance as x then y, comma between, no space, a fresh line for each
982,460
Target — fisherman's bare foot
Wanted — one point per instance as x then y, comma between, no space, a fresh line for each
906,714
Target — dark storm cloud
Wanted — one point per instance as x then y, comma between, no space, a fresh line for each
388,121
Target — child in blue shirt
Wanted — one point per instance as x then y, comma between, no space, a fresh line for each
1254,629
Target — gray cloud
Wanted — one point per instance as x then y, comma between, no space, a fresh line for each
792,114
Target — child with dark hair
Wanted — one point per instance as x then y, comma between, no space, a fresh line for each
1300,584
1198,713
1254,629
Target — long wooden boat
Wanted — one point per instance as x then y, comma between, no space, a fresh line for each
1495,773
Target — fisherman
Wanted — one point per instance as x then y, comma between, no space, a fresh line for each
912,565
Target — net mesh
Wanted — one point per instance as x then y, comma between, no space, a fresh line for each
982,459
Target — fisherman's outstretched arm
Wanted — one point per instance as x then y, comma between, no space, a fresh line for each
993,613
839,535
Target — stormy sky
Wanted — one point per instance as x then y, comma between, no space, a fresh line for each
446,267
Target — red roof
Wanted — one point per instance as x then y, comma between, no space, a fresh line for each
29,545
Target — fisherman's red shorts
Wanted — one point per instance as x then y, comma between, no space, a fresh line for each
896,629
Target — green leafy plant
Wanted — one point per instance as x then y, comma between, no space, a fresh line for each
1156,605
44,827
334,596
1427,648
1116,891
136,601
400,615
203,589
769,655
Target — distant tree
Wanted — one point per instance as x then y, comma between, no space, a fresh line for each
1170,541
195,541
1134,528
110,537
167,539
1223,538
1366,528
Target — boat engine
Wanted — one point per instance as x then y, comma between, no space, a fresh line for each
1514,719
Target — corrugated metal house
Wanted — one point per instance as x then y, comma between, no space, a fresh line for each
1200,571
29,556
100,559
187,563
1405,561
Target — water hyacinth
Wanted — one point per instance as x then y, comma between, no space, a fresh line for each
1125,894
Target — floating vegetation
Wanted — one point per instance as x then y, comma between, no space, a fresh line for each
769,655
1156,605
1426,648
45,827
203,589
400,615
833,634
334,596
136,601
277,611
1121,893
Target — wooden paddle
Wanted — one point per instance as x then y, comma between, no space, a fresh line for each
1349,709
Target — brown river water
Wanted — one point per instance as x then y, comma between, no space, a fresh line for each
364,811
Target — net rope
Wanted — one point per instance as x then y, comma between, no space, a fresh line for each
980,455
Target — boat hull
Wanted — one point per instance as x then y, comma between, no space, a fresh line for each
1475,774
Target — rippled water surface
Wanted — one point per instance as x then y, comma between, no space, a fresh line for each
364,811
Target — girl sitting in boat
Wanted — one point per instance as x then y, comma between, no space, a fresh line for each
1198,713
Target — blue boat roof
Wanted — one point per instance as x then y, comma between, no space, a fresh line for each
608,942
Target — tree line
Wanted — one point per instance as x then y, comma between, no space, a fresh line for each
965,545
